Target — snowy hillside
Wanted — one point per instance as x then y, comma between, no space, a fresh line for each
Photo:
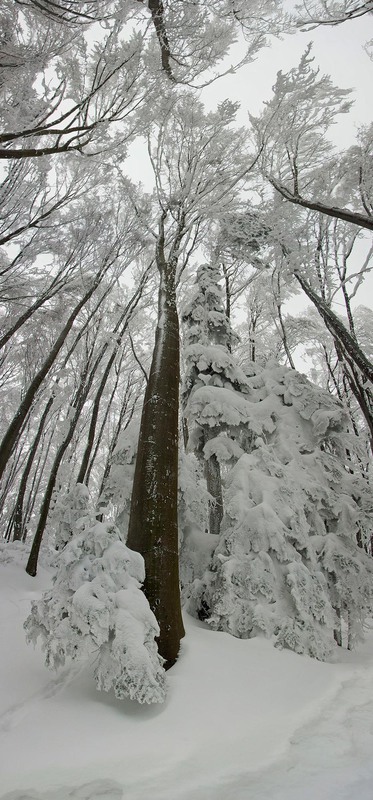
242,720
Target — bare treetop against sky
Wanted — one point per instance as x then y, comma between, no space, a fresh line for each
338,51
341,51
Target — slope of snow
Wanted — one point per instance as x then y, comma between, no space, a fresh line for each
241,720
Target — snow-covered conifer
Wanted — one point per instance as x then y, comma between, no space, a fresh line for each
208,339
96,609
287,563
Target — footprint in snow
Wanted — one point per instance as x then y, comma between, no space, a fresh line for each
97,790
14,715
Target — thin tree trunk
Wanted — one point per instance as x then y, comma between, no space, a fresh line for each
101,432
349,352
35,485
347,341
278,301
80,398
32,563
93,422
18,508
11,436
126,317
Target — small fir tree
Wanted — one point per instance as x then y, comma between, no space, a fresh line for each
96,607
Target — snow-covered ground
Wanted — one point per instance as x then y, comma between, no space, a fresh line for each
242,720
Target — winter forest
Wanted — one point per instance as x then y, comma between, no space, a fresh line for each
186,337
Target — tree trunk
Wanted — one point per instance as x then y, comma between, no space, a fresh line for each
213,479
18,526
81,395
114,440
338,330
153,524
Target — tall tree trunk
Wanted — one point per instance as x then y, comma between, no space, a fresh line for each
153,523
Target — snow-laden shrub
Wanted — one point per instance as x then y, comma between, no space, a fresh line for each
285,560
96,608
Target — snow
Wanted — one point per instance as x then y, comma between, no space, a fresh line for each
241,720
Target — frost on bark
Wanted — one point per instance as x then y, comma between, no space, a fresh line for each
153,525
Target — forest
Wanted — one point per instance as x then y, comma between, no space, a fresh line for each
173,437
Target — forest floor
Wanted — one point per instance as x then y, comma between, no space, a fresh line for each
243,721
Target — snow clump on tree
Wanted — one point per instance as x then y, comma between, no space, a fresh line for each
96,606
